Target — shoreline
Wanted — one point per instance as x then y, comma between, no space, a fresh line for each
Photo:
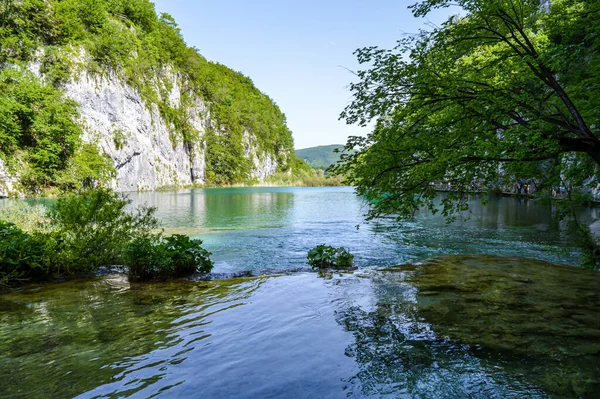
261,273
162,189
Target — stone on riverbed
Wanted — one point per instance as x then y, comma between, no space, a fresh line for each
519,309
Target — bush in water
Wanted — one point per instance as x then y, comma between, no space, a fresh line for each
156,258
326,257
95,229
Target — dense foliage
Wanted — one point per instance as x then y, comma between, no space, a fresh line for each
38,129
154,257
505,93
21,254
127,38
91,230
327,257
94,229
305,178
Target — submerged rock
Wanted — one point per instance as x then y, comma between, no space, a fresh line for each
519,310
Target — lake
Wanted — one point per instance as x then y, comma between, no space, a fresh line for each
271,229
478,326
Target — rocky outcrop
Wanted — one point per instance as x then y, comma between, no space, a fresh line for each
147,151
8,181
263,163
143,146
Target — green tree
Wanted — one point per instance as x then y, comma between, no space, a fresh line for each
36,124
506,91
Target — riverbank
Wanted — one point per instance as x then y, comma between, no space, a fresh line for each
313,178
278,180
593,201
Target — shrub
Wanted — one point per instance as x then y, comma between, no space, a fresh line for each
20,253
147,259
87,168
159,258
188,255
93,229
328,257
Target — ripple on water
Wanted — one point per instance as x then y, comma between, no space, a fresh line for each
468,326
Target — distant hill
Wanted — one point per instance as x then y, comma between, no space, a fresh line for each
321,156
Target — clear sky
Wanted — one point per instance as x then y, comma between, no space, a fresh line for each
295,51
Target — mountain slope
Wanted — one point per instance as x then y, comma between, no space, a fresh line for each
321,156
95,91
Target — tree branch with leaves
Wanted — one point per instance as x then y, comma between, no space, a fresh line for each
506,91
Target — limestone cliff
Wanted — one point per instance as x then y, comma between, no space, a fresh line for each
162,113
139,140
135,135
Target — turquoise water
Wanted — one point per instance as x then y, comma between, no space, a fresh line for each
271,229
477,326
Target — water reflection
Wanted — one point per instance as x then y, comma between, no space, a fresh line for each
457,327
64,339
219,208
271,229
475,326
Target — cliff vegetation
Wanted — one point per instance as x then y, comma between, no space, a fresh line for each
40,133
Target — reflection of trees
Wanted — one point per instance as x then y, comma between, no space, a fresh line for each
391,346
68,338
388,359
478,326
219,208
401,354
247,209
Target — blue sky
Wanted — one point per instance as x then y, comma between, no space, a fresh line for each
297,52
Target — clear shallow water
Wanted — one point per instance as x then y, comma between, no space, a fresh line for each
479,327
272,229
370,334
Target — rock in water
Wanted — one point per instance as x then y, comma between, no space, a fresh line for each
535,314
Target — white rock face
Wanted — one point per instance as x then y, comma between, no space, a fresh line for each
138,139
8,181
263,163
135,136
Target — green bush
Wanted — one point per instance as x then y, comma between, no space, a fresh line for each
159,258
188,255
20,254
93,229
86,169
37,122
328,257
147,259
81,233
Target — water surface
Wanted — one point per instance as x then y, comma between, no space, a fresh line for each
272,229
458,326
